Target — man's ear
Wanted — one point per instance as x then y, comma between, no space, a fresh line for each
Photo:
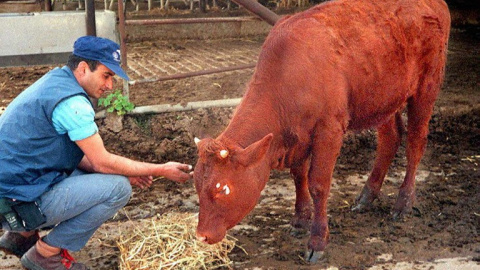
81,70
83,66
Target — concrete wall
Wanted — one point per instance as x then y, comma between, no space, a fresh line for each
48,37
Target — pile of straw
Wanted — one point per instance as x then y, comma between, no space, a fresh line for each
168,242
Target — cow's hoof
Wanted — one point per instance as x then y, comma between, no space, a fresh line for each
364,200
403,205
399,214
359,207
312,256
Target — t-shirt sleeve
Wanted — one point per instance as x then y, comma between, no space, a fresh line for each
76,117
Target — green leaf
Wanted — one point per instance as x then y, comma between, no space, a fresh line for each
129,107
116,102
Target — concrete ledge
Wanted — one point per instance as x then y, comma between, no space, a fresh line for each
33,59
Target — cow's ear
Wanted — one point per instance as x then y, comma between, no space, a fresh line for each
255,152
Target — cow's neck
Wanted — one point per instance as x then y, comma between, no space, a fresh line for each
255,118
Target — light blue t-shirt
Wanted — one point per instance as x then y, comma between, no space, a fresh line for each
76,117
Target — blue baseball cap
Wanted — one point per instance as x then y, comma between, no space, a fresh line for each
100,49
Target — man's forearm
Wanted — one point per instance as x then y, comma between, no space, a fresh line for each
85,165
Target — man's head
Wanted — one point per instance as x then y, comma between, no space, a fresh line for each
102,50
94,62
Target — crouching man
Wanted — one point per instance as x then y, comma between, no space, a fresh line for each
54,169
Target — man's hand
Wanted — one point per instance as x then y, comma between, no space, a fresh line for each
141,181
177,172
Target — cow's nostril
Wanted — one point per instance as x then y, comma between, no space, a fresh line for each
201,238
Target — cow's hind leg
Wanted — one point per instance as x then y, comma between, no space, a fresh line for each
326,146
389,137
420,110
303,202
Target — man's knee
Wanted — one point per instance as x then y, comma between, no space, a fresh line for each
122,190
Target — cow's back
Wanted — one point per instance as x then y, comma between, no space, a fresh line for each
359,58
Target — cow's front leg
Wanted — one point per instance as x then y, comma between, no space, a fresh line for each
303,201
327,144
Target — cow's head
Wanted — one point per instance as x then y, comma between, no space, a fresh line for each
228,180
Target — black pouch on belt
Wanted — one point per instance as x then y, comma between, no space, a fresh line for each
21,215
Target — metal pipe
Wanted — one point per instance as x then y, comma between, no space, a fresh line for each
259,10
90,19
190,20
123,36
123,44
192,74
164,108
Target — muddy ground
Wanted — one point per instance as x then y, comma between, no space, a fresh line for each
446,220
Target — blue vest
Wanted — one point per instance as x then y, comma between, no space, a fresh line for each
33,156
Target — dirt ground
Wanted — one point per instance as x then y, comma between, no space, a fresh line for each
445,223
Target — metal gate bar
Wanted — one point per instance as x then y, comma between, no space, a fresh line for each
256,8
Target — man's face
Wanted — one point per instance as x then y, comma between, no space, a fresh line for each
97,82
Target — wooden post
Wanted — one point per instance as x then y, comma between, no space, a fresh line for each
48,5
90,19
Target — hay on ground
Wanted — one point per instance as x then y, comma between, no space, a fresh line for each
168,242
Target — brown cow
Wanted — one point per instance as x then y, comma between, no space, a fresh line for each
342,65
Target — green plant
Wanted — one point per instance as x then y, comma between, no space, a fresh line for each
143,122
116,102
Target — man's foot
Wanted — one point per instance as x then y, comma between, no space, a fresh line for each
33,260
16,244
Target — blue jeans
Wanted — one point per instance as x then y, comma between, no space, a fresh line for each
80,204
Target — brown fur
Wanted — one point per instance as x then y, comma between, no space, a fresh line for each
342,65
